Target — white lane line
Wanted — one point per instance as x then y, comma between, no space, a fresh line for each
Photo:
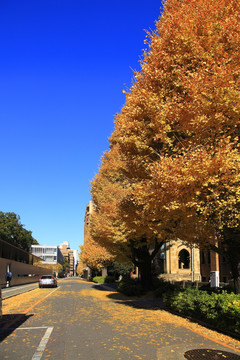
57,288
41,347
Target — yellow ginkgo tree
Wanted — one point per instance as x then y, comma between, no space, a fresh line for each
173,163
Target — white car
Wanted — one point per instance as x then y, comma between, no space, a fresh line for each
47,280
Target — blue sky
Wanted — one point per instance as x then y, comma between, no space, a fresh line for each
63,66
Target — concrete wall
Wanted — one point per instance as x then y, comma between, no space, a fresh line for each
21,273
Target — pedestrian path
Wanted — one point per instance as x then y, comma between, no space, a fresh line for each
16,290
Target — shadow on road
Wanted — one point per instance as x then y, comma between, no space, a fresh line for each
208,354
139,303
151,304
9,323
105,287
157,304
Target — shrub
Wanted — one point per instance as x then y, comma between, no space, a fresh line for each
222,310
99,279
103,279
130,287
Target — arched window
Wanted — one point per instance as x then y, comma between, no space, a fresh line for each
183,259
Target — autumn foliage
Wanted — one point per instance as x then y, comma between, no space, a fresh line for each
174,161
94,255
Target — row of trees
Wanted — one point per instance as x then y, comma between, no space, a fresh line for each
12,231
172,170
94,255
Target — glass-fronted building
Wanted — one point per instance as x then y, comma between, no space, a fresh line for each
49,253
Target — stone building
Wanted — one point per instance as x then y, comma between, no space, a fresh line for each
178,262
88,212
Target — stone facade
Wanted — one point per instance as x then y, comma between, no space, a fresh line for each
178,262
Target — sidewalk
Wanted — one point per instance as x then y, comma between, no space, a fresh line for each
18,289
180,338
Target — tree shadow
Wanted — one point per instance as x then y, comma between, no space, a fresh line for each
148,302
105,287
138,303
143,302
158,304
208,354
10,322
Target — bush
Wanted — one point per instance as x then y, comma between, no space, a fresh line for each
103,279
130,287
222,310
98,279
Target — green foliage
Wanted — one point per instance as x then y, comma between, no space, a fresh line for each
103,279
66,265
13,232
98,279
118,269
220,310
130,287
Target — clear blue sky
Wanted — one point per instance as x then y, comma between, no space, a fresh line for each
63,66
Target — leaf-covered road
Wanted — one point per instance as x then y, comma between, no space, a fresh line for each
80,321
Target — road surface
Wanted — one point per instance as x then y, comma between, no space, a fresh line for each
80,320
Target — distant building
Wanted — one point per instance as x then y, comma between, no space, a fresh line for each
75,261
70,255
87,219
88,213
49,253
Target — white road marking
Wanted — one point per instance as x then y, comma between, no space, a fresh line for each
52,291
41,347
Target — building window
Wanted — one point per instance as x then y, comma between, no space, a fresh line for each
183,259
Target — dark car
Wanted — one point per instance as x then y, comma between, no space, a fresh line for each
47,280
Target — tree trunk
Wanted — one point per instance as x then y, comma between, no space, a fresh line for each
145,270
142,257
232,243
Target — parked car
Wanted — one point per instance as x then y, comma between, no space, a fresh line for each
47,280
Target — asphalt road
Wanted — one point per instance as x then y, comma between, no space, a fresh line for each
76,321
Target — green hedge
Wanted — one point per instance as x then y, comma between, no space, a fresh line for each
103,279
98,279
220,310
